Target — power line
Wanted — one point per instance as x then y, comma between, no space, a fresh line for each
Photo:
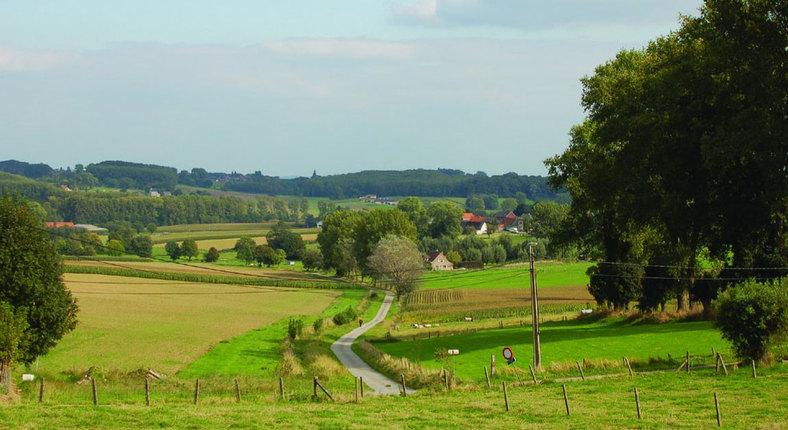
598,275
619,263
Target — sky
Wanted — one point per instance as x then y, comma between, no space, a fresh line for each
291,86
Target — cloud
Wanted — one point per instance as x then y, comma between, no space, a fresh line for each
29,60
530,15
356,49
422,11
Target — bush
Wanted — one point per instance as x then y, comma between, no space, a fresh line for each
754,316
295,328
345,316
212,255
317,326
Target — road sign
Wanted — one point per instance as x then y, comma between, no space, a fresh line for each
508,354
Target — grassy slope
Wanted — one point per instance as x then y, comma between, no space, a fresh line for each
257,352
668,401
549,274
131,323
563,342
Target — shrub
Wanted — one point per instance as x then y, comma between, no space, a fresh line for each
295,328
212,255
345,316
753,316
317,326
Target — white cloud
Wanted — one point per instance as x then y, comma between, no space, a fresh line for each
422,10
27,60
343,48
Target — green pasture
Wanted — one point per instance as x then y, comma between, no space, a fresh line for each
668,400
548,274
257,352
562,342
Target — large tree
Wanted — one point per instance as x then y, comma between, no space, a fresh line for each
375,225
684,147
30,282
445,219
396,260
335,240
414,208
281,237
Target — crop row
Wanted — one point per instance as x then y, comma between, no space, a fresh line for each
207,279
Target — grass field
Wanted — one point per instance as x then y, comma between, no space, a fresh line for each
562,342
668,400
548,274
257,352
131,323
208,235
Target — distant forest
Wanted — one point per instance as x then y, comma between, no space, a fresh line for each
110,206
417,182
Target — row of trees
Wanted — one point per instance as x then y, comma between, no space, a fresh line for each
681,160
418,182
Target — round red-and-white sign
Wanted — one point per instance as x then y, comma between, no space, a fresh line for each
508,353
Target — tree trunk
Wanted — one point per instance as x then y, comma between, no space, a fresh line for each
681,298
5,376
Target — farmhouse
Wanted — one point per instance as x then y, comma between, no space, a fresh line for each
477,222
506,220
438,261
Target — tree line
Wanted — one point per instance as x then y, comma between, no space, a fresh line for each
105,207
677,175
415,182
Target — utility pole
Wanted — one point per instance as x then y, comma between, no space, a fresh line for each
535,311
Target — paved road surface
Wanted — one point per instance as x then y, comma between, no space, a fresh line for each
379,383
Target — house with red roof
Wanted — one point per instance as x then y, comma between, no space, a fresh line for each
477,222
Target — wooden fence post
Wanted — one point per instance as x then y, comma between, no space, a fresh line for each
722,363
314,387
637,401
237,391
147,391
492,365
688,362
717,409
533,375
361,385
505,397
322,388
629,365
41,391
94,389
580,368
196,391
402,381
487,377
754,375
566,399
355,391
446,380
281,388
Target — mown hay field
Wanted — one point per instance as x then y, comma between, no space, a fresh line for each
132,323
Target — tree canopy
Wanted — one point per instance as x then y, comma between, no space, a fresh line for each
683,149
30,280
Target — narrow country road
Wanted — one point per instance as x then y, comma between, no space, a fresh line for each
379,382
